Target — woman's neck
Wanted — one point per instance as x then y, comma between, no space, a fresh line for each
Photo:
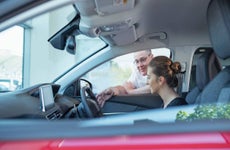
167,94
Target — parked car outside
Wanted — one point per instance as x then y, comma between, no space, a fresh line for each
9,84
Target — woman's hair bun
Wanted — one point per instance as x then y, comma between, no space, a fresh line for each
176,67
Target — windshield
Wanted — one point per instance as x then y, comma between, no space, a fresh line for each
27,58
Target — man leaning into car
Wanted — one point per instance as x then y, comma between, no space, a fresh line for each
137,82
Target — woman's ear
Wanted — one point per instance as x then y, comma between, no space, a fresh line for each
161,80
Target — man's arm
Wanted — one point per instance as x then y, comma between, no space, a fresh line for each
130,88
127,88
108,93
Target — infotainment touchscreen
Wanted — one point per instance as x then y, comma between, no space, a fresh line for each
46,97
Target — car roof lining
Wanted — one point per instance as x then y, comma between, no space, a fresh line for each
194,29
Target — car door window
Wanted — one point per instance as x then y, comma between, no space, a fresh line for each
11,58
116,71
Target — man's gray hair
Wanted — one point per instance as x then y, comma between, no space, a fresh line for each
148,51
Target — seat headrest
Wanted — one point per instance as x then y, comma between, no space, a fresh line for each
218,15
208,66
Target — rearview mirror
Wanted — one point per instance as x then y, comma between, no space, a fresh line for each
71,44
64,37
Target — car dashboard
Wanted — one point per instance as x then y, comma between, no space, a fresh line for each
27,103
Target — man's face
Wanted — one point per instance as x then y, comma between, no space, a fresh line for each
141,60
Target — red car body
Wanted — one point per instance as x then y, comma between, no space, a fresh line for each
199,141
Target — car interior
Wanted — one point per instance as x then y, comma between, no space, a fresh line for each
217,88
134,26
206,68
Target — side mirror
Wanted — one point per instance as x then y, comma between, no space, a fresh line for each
84,82
74,89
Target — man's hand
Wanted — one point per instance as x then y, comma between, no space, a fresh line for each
104,96
108,93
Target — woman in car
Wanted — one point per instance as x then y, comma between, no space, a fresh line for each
162,80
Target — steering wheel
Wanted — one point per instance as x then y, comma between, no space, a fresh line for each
90,105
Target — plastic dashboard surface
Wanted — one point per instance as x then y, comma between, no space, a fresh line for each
26,103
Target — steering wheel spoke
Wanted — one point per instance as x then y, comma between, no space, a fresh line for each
90,104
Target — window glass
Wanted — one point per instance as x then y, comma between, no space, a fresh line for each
11,58
48,63
117,71
42,62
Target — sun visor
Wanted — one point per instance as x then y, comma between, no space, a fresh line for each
103,7
125,37
106,7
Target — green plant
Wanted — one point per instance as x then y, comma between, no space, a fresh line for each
210,112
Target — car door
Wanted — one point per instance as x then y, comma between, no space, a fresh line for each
119,103
116,72
130,103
